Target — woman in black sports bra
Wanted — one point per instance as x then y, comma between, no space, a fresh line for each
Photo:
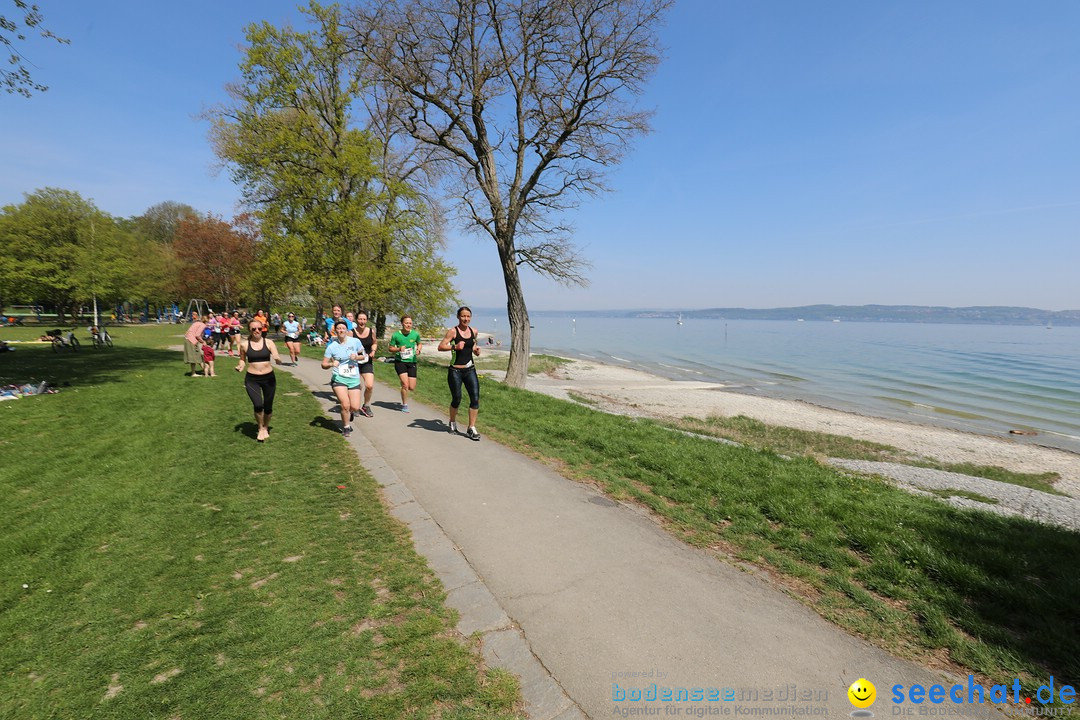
461,341
256,352
366,335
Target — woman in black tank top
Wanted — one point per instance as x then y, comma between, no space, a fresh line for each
256,353
366,335
461,342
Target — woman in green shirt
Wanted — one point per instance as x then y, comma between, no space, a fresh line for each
406,346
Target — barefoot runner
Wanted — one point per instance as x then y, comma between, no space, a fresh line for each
256,352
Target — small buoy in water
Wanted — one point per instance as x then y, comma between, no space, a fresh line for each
1023,432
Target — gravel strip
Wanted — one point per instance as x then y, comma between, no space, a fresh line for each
1012,499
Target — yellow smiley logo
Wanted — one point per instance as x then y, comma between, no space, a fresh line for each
862,693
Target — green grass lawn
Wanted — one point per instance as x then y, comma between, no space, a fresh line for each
996,596
174,568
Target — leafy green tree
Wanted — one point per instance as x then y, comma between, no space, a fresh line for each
43,258
13,30
160,221
525,103
105,264
156,276
314,178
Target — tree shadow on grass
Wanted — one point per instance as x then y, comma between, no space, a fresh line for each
1024,596
1006,582
84,368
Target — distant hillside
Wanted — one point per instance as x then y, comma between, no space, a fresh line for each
989,315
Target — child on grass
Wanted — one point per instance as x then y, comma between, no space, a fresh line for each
208,360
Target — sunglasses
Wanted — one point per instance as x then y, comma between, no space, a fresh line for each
255,329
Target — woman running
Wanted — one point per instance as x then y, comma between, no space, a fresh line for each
292,337
406,346
345,354
366,335
256,352
234,333
461,341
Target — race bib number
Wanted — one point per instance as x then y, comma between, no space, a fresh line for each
407,353
348,370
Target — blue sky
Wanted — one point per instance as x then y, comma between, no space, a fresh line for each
803,152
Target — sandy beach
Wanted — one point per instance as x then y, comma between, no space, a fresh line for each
632,392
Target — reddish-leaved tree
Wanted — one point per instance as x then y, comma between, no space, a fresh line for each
213,256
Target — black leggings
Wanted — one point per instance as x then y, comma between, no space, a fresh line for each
467,376
260,388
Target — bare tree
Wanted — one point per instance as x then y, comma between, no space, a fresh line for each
527,103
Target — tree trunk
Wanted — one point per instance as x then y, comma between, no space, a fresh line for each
520,337
380,324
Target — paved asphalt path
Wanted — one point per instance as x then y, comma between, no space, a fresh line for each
591,598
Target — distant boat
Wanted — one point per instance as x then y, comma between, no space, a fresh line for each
835,320
800,320
679,321
1049,324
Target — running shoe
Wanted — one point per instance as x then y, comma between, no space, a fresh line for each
472,434
404,408
352,416
366,411
347,431
453,427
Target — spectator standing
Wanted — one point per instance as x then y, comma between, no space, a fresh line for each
193,340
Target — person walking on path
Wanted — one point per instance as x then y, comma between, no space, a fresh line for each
345,354
406,346
256,352
193,340
366,335
461,341
292,337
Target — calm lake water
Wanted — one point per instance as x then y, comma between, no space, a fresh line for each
988,379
